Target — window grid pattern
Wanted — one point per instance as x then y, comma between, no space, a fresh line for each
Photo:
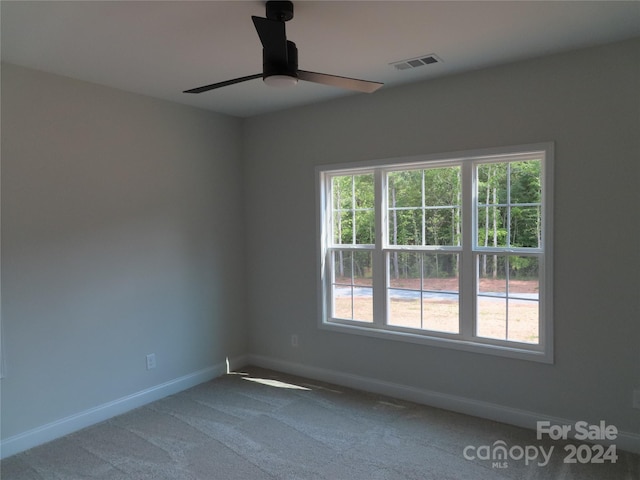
438,202
508,211
419,280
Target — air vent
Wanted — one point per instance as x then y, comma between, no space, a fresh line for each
416,62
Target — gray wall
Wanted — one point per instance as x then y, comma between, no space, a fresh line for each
587,103
120,224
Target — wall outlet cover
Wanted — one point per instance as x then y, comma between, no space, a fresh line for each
151,361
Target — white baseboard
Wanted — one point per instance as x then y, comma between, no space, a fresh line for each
64,426
626,441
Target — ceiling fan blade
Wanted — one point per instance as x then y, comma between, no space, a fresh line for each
364,86
206,88
274,39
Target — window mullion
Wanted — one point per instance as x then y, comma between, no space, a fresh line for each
380,274
507,261
424,213
508,242
468,261
353,210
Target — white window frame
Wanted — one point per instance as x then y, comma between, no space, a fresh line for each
465,340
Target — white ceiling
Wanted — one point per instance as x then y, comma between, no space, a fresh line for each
160,48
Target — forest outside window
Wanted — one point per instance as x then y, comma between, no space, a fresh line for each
450,250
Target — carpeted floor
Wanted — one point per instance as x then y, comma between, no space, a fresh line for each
259,424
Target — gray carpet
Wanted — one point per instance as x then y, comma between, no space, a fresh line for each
254,425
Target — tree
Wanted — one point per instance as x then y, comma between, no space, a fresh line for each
353,216
509,210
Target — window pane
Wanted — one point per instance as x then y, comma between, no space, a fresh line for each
342,191
365,227
353,303
362,268
524,281
492,183
526,182
492,226
425,291
491,304
440,297
363,304
424,206
505,192
525,227
405,227
507,304
342,289
442,189
342,302
405,270
353,204
524,292
363,187
404,308
440,272
441,312
342,267
491,274
442,186
442,226
352,285
342,227
492,318
523,321
405,189
491,212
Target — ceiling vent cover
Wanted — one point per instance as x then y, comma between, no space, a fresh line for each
416,62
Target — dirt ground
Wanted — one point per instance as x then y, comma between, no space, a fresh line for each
451,284
517,322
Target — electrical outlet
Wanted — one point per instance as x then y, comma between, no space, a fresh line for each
151,361
294,340
636,398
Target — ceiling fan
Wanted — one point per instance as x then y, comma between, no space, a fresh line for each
280,57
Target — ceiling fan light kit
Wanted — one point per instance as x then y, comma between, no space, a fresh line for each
280,81
280,57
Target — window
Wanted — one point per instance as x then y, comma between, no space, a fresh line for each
449,250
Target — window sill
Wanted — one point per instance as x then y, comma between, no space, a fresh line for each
514,351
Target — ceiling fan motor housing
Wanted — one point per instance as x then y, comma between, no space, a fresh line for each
290,69
279,10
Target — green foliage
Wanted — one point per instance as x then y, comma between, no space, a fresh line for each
509,214
424,209
424,206
509,197
353,209
523,268
416,265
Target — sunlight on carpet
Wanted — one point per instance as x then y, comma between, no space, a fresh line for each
275,383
